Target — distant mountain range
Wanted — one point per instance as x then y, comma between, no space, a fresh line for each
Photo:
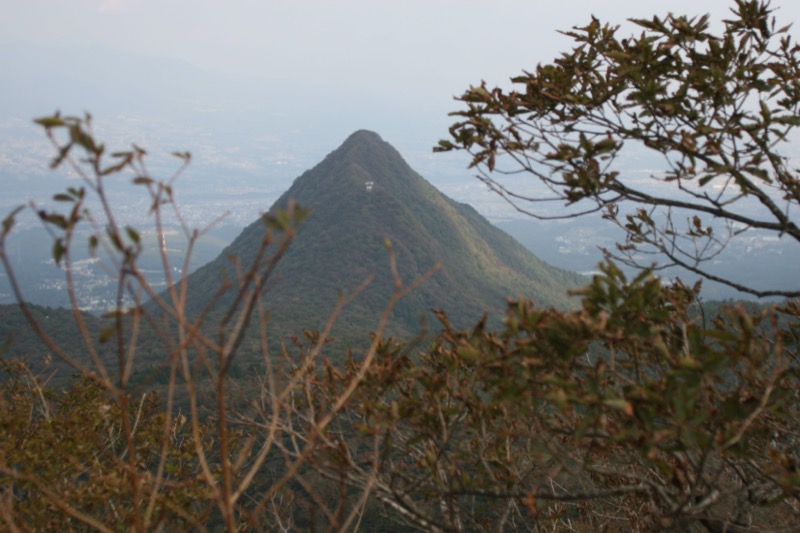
362,194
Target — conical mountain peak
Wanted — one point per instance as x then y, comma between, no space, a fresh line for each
366,149
364,146
363,137
360,195
362,163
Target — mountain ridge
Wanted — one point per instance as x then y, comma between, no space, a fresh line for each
361,194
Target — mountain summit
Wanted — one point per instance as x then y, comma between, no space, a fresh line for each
360,195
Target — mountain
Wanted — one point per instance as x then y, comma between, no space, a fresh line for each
360,195
19,341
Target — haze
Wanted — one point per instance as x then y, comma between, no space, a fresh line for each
260,92
426,49
408,58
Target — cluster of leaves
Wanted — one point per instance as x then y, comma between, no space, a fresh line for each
106,453
628,412
633,411
65,462
625,413
713,108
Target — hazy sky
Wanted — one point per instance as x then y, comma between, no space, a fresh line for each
393,67
417,48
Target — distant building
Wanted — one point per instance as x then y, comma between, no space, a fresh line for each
369,185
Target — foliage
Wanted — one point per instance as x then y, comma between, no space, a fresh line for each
207,451
636,410
64,459
341,243
58,323
714,109
626,413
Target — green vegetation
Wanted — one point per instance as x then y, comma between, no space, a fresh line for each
342,243
632,410
714,109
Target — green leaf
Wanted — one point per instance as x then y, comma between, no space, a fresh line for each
469,354
302,214
83,139
106,334
444,146
115,240
113,169
53,218
10,219
50,122
79,193
788,120
58,251
132,234
63,152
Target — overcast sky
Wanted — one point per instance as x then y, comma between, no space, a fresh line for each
418,48
393,67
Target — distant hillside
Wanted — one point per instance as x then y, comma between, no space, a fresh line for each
755,259
19,341
360,195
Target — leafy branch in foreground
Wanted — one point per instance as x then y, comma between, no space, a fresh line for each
627,413
715,109
108,453
635,411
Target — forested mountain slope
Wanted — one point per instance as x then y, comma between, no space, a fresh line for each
360,195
